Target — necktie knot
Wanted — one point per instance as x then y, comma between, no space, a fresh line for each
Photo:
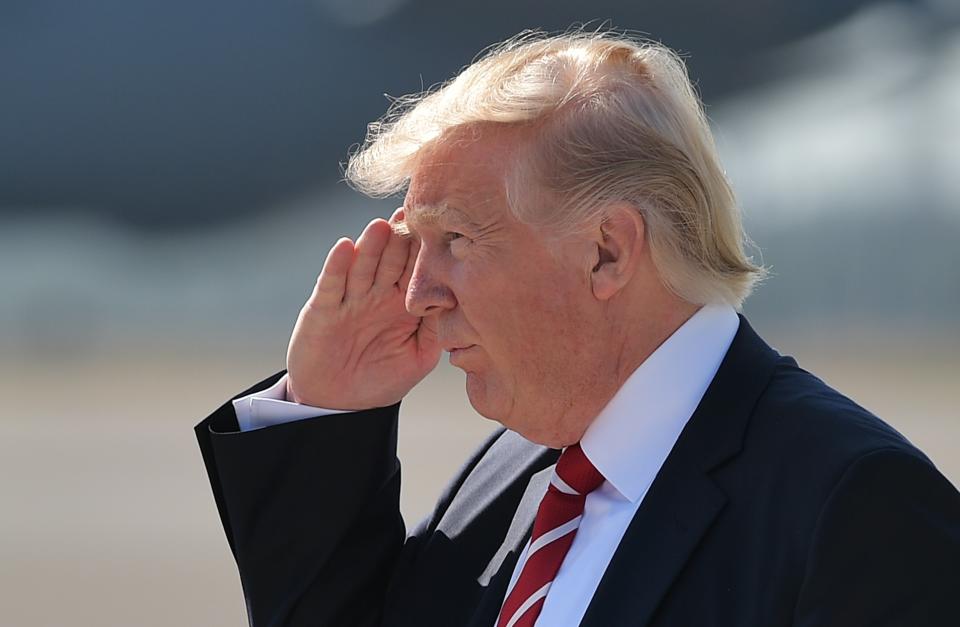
578,472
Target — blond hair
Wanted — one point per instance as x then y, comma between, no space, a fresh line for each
616,119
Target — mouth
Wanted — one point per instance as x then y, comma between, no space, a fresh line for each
451,348
459,352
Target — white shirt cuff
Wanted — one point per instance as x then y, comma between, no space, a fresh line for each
270,407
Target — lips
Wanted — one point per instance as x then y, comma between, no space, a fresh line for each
450,348
457,354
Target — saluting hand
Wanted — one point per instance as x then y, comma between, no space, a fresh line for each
355,346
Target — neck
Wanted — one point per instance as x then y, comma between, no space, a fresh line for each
645,333
632,338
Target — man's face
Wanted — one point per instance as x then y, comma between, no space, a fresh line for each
513,307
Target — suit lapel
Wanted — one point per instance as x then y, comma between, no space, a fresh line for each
520,527
683,501
677,511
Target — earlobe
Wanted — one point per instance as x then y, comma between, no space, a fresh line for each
604,280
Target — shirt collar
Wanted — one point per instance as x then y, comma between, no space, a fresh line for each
631,437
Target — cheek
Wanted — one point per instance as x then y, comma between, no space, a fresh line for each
523,317
541,335
532,334
520,317
546,307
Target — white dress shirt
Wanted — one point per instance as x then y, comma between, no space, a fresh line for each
270,407
627,442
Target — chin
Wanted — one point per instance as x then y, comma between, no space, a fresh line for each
500,408
486,401
477,395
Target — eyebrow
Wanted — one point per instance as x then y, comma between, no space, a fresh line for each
432,215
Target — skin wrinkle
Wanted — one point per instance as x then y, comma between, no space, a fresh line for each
441,214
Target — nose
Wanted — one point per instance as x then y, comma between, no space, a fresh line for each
428,293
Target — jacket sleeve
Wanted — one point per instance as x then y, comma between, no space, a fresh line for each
886,551
311,512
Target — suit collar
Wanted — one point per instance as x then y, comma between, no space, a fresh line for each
717,428
684,501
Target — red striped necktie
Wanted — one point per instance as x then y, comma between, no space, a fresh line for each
553,531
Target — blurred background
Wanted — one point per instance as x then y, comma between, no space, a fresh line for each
170,184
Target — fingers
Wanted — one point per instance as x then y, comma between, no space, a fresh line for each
404,281
412,250
380,257
369,249
394,258
331,283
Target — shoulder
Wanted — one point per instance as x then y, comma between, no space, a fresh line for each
812,424
833,468
865,521
890,521
810,450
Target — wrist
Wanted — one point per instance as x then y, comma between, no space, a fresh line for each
288,394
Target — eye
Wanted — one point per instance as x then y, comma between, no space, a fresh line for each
457,242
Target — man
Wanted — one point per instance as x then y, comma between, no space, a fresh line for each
568,236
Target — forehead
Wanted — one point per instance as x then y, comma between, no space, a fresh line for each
462,177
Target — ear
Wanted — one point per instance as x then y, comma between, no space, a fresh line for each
619,243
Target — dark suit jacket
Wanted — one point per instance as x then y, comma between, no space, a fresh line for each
782,503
